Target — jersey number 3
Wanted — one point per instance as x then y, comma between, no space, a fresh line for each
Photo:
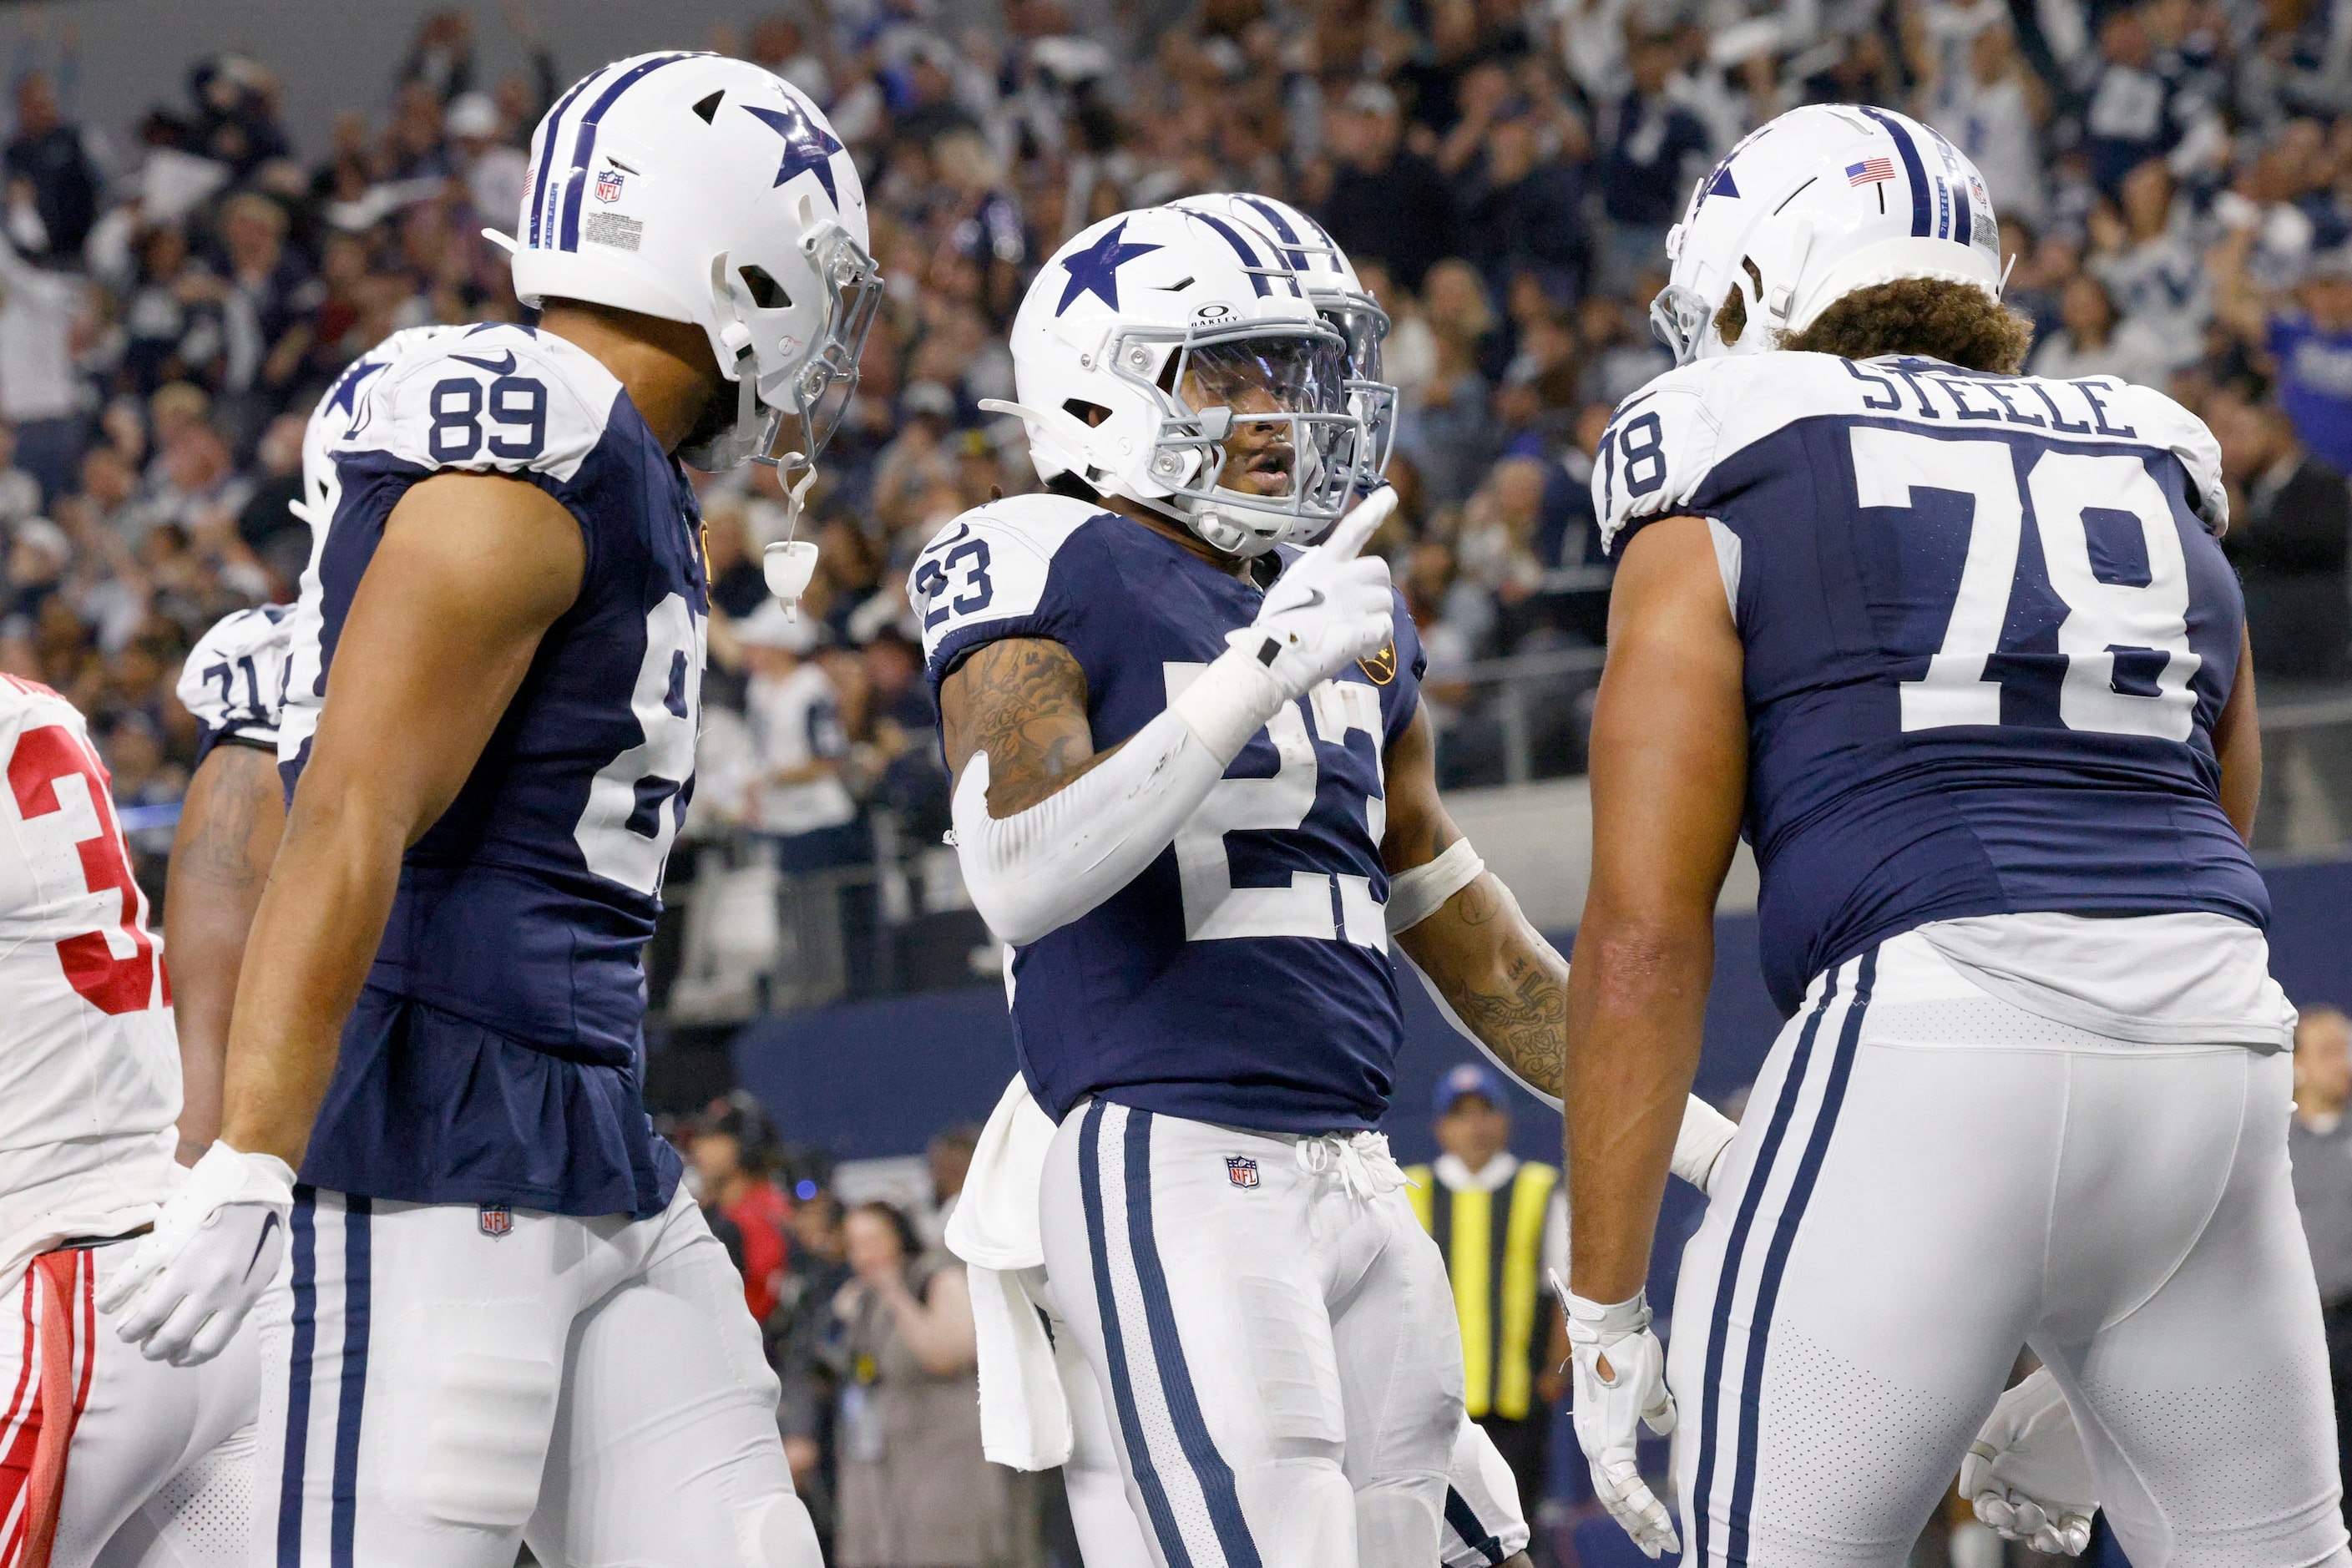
52,773
2126,643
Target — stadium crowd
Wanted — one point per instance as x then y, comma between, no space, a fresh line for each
2175,181
2174,176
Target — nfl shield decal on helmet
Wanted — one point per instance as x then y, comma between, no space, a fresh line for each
1241,1170
497,1219
608,185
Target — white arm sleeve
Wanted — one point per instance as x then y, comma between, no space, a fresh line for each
1705,1132
1039,870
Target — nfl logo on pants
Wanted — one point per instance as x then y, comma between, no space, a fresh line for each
1241,1170
497,1219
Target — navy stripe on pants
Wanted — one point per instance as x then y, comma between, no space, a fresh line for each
1734,1254
352,1395
298,1377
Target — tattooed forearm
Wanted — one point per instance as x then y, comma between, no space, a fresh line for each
1023,701
1507,983
218,846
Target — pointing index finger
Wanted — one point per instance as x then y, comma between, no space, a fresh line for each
1348,539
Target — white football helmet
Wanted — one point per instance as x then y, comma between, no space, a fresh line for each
1136,318
697,188
1810,207
1332,282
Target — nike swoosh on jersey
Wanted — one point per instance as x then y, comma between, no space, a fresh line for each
503,366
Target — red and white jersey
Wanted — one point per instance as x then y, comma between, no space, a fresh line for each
90,1063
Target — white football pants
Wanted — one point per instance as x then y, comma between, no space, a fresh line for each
1927,1178
441,1381
159,1469
1484,1527
1274,1347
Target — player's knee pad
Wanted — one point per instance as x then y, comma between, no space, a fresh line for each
1303,1513
485,1446
1397,1524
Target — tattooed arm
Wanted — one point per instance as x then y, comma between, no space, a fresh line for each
229,827
1506,984
1023,701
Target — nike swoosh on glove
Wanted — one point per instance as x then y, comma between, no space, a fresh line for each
2026,1475
1331,607
190,1281
1610,1409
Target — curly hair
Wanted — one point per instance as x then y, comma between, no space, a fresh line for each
1957,324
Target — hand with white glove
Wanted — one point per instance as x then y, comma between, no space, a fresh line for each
1331,607
190,1281
2026,1475
1610,1405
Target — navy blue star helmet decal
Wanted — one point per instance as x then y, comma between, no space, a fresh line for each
1094,270
808,146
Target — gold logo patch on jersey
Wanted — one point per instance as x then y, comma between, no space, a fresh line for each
1381,668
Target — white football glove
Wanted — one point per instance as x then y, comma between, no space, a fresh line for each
1331,607
1608,1410
190,1281
2026,1473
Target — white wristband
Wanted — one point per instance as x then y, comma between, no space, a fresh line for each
1705,1134
1420,891
1228,702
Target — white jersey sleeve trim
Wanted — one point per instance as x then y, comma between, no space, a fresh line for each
235,678
500,400
985,575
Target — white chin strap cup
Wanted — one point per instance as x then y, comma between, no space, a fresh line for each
789,564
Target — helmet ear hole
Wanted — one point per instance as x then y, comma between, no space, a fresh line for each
766,292
1088,414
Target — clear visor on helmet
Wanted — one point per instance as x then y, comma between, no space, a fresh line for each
1256,419
1358,318
817,397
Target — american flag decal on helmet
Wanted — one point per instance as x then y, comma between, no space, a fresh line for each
1869,172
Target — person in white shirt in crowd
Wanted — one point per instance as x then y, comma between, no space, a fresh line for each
797,796
2148,256
39,396
1982,95
492,167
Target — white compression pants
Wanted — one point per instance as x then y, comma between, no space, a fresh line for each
159,1473
1275,1355
440,1383
1927,1178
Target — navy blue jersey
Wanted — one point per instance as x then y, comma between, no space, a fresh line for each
1242,978
495,1058
1988,627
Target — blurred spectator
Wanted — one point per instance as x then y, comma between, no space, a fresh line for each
2290,533
1502,1224
2319,1149
2145,103
799,800
2306,337
2091,341
950,1160
913,1488
795,1333
731,1147
1984,97
1653,146
1377,179
47,155
41,394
